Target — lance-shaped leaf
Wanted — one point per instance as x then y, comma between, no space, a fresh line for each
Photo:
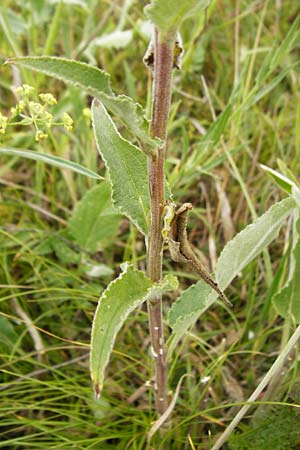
127,168
287,300
251,241
50,159
167,15
94,219
282,180
95,82
122,296
82,75
242,249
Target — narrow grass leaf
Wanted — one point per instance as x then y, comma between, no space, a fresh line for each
94,219
81,3
255,98
122,296
127,168
168,15
278,52
50,159
95,82
239,252
8,335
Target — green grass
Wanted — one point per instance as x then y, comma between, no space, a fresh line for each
46,398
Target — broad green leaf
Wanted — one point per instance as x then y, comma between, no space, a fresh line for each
132,115
98,270
241,250
64,252
122,296
167,15
94,219
17,23
95,82
127,168
82,75
287,301
296,196
250,242
195,298
116,39
50,159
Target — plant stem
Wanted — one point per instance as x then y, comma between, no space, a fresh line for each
162,86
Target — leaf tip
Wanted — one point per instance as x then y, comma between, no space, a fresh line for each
97,390
95,102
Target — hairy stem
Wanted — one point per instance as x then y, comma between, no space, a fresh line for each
162,85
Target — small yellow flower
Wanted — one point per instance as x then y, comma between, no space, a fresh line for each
48,118
87,113
67,122
48,98
39,135
3,123
16,110
21,105
25,90
36,109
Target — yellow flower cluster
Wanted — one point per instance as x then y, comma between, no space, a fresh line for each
30,112
3,123
67,122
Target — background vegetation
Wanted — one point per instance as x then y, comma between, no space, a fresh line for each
50,279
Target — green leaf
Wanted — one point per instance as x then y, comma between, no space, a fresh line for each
122,296
279,52
241,250
8,335
256,97
287,300
167,15
94,219
81,3
250,242
287,172
132,115
283,182
95,82
82,75
116,39
50,159
127,168
195,298
63,251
